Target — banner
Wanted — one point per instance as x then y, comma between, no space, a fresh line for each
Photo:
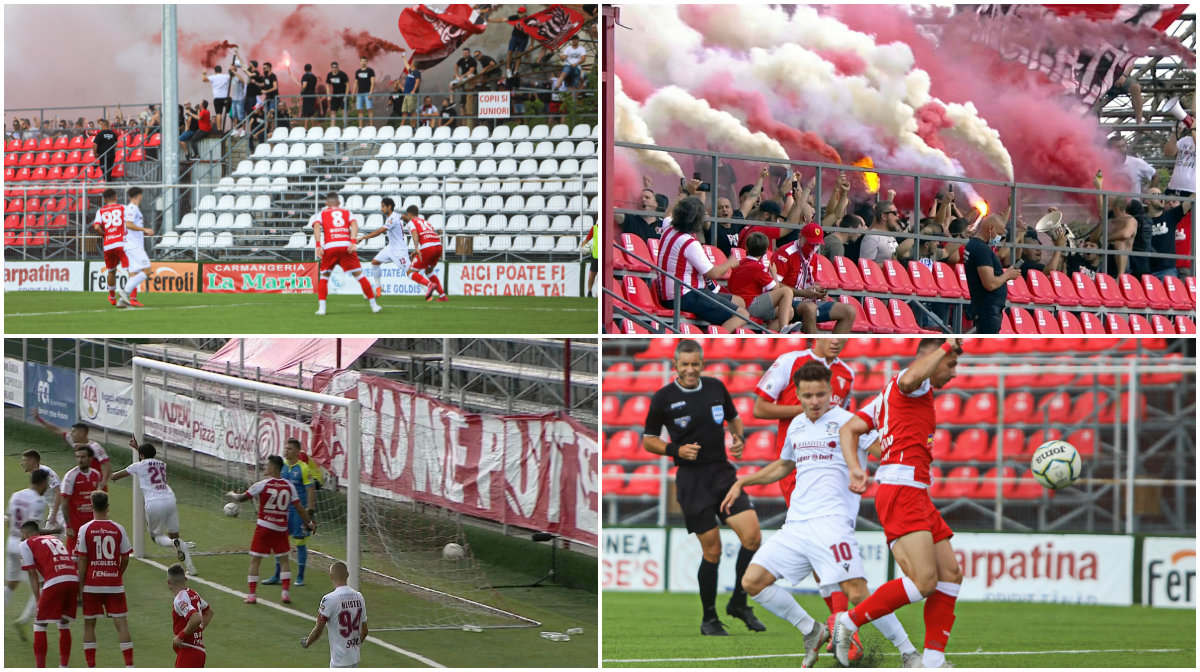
552,26
514,279
43,276
494,105
282,358
1065,568
685,558
433,36
14,382
634,560
537,472
169,277
1169,572
393,282
269,278
50,392
105,402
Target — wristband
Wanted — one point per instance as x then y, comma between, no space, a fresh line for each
673,449
738,436
946,348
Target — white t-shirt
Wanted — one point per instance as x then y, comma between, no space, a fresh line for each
395,232
1183,177
134,239
220,84
343,611
152,477
24,505
822,477
574,55
1136,171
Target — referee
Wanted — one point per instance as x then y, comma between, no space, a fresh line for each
694,409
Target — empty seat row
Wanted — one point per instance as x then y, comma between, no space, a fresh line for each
267,167
469,168
543,244
404,133
208,220
229,202
81,142
490,185
246,184
56,173
518,224
564,149
282,150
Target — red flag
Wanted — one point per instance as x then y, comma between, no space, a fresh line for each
552,26
433,36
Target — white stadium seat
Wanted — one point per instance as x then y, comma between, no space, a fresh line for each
407,167
590,167
404,133
514,203
374,221
262,151
501,133
517,223
244,221
206,222
583,223
592,205
206,240
430,185
353,203
467,168
315,134
424,150
550,187
476,223
507,167
535,204
187,240
188,221
244,168
480,243
443,150
539,223
244,184
226,203
350,134
427,167
296,241
391,185
262,203
297,134
543,244
566,244
368,133
585,150
511,185
483,150
389,167
332,134
490,185
592,187
520,132
564,149
528,167
299,150
473,204
277,185
431,204
568,168
539,132
480,132
547,167
279,135
372,185
543,150
522,243
279,150
501,244
422,133
494,203
456,222
315,151
445,168
225,184
523,150
262,183
497,223
436,220
372,204
224,239
441,133
463,150
560,132
297,167
557,203
386,151
169,239
581,131
353,184
278,167
406,150
576,204
369,167
208,202
561,224
503,150
386,133
412,199
461,133
244,203
454,203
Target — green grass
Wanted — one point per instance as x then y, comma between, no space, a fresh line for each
258,636
992,634
65,312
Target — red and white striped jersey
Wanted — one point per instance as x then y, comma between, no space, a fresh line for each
77,488
49,556
684,258
424,233
776,385
111,219
187,602
335,227
103,543
274,495
906,423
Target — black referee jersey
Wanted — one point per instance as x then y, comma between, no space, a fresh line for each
695,415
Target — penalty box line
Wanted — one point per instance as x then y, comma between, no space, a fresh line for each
950,654
288,610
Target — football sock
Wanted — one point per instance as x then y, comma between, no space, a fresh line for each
939,618
39,645
779,602
377,273
127,651
89,653
368,291
888,598
890,627
322,288
738,599
840,601
301,558
135,281
437,284
187,554
112,293
164,540
64,645
419,279
252,581
827,595
707,578
30,606
321,304
286,579
8,593
276,574
133,293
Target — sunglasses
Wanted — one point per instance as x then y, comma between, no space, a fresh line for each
892,212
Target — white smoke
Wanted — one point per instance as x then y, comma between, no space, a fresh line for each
670,105
630,127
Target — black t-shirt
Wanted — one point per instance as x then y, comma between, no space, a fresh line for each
308,84
727,237
977,254
253,87
396,103
485,62
105,142
463,65
1076,263
637,226
1162,238
518,34
364,76
1140,266
337,83
449,112
270,81
693,416
851,249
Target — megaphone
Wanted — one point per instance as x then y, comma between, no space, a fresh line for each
1175,109
1051,224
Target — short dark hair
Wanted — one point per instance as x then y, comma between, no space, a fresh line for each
387,200
32,453
688,345
688,215
958,225
217,69
100,501
31,526
39,476
147,450
308,67
927,344
291,442
413,210
90,452
133,192
176,574
80,425
332,196
745,190
333,64
812,372
850,222
277,461
109,194
204,104
756,244
267,64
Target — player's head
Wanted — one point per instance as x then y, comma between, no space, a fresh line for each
828,348
134,195
29,528
30,460
147,451
948,367
756,244
412,211
339,573
83,456
812,389
332,199
176,578
274,465
387,205
689,362
466,52
291,450
308,67
39,480
110,195
79,432
100,504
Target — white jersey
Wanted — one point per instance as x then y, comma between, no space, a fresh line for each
52,491
1183,177
24,505
152,476
134,239
397,240
822,477
344,612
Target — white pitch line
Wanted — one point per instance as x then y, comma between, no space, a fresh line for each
288,610
387,308
951,654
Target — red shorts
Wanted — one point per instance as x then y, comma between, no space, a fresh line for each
114,257
57,603
267,543
75,521
186,656
101,604
339,256
903,509
427,258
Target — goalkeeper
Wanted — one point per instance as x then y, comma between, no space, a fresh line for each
302,474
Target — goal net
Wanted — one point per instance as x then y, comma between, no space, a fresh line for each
215,433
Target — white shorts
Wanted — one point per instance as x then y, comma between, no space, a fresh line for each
12,568
137,259
162,517
394,256
824,545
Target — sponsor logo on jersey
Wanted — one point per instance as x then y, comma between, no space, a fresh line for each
678,404
683,421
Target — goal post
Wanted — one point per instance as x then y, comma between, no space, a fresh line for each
353,447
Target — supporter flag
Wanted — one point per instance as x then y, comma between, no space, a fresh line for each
1083,47
552,26
433,36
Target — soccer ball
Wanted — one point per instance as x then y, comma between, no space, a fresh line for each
1056,464
453,551
232,509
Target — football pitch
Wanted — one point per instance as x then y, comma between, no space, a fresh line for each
263,636
663,630
90,313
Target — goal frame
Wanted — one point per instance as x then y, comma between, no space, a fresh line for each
353,448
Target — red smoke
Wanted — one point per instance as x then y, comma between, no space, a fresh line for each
798,144
367,45
847,63
931,119
208,54
632,83
626,183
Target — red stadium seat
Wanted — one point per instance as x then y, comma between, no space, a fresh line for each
1013,444
154,140
660,348
848,276
1184,325
624,445
1132,291
987,486
1091,324
861,324
136,156
1018,408
618,377
1068,323
1042,290
760,447
61,142
941,444
1164,378
1156,293
1088,405
613,481
783,345
1022,322
902,317
12,160
60,221
1084,441
1085,289
43,159
960,271
1066,293
966,483
1054,409
647,487
33,205
90,141
745,408
610,409
1116,323
716,349
1177,294
1110,292
897,278
36,239
76,142
1047,325
89,156
12,145
135,141
1025,489
1108,414
30,145
826,274
947,281
75,157
1018,291
872,276
650,377
39,174
58,158
639,294
1139,325
981,408
717,257
878,316
745,378
28,159
922,279
15,205
686,328
12,222
45,144
632,328
948,408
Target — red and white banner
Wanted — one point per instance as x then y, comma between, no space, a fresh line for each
433,36
1065,568
495,104
53,276
284,358
635,560
270,278
514,279
552,26
537,472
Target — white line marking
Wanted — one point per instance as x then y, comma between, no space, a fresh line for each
288,610
951,654
387,308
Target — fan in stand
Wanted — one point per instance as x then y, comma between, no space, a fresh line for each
1051,225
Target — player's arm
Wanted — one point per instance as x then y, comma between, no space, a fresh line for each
768,474
924,366
206,617
238,496
876,450
739,437
81,563
315,634
50,427
849,434
353,234
119,475
204,76
769,410
303,514
58,499
134,227
194,623
372,234
317,236
35,583
105,474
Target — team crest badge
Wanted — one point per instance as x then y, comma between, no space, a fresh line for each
832,428
683,422
718,413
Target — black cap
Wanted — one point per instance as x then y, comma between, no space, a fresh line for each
770,207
